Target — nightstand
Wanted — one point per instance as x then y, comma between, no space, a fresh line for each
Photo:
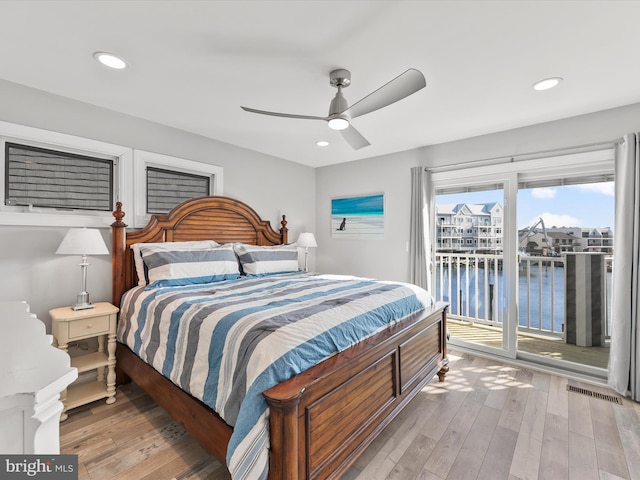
70,325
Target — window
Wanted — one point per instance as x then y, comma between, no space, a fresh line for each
161,182
39,177
54,179
166,189
44,178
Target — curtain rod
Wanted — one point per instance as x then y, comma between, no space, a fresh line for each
512,158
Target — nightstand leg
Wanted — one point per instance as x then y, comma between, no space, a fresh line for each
63,394
111,369
63,398
100,371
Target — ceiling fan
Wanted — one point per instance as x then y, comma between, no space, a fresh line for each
341,114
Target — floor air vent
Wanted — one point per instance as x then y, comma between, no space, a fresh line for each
591,393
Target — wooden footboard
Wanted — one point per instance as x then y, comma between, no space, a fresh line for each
322,419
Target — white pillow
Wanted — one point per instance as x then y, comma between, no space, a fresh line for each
138,248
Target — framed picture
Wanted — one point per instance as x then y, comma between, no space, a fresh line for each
358,217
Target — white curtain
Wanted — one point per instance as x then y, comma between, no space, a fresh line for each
624,357
419,245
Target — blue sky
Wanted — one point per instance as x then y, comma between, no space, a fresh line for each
587,205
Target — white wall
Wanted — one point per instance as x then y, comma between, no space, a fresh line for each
388,258
29,268
385,258
561,134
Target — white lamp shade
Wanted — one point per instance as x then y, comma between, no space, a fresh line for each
83,241
306,240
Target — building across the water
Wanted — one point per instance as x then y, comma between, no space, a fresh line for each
558,240
478,228
469,227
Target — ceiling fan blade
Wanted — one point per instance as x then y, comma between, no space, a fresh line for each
354,138
286,115
400,87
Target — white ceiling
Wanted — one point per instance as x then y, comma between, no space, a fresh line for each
192,64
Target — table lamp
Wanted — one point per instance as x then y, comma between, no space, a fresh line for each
83,241
306,240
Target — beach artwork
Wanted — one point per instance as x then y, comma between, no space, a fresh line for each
358,217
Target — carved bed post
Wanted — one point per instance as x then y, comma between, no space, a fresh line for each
284,231
118,246
285,448
118,249
442,373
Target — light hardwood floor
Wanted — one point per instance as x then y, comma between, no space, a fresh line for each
488,420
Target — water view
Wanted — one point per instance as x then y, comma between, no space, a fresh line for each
541,294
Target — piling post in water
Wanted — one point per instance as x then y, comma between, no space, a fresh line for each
491,301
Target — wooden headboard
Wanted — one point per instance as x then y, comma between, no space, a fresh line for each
222,219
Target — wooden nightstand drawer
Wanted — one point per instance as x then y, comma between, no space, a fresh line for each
88,326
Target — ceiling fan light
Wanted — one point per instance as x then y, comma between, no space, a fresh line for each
338,123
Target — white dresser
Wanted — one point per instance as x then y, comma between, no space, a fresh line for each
32,374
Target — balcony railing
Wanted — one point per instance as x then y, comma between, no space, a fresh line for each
473,283
543,300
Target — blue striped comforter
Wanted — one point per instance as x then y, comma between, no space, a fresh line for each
227,342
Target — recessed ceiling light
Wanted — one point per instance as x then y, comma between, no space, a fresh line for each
547,83
110,60
322,143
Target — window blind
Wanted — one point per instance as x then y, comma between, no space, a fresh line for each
50,178
468,189
167,188
525,182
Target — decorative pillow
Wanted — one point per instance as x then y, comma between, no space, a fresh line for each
138,248
257,260
186,267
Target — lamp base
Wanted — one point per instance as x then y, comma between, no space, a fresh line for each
82,302
82,306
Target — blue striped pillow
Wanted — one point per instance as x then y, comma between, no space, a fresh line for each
185,267
261,260
139,248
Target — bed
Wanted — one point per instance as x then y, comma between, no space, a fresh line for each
318,420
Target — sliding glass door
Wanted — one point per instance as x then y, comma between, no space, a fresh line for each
472,252
565,243
523,254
